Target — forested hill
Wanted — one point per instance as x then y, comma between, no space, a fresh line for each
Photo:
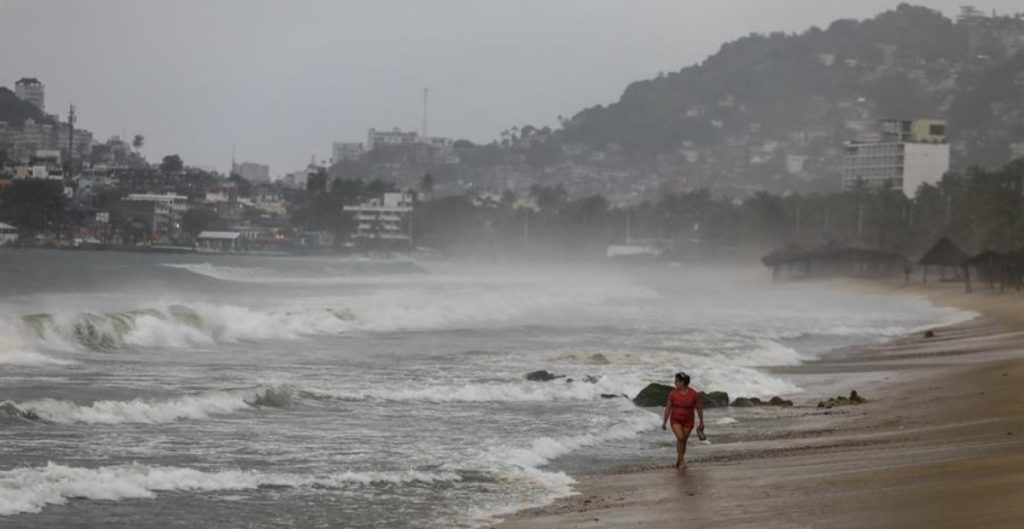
14,111
772,111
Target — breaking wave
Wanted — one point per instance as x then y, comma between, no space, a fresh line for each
29,490
147,411
180,326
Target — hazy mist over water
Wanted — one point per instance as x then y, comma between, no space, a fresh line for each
183,391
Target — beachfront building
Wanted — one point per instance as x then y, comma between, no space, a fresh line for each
8,234
385,221
908,154
218,241
158,216
29,89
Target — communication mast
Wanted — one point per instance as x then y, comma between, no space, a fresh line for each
426,95
71,138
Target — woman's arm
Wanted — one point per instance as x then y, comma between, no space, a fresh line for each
700,412
668,412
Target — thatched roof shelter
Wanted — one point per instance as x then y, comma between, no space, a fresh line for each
944,253
832,260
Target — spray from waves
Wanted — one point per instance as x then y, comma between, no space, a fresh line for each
29,490
351,271
147,412
16,351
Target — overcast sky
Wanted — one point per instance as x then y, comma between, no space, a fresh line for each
281,80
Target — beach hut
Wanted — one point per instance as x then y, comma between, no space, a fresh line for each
947,256
832,260
991,266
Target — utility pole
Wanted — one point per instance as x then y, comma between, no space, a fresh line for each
426,95
71,139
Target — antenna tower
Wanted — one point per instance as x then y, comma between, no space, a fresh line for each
426,96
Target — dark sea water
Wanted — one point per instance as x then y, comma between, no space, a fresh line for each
212,391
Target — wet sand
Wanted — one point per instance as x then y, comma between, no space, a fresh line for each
939,443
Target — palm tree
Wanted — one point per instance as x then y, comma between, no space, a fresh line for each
138,141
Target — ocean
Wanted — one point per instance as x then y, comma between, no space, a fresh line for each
157,391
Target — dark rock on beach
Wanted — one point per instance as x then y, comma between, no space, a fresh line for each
652,395
714,399
749,402
542,376
779,401
657,394
854,398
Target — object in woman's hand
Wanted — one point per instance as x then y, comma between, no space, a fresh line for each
701,435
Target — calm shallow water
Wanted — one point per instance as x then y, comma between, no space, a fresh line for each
184,391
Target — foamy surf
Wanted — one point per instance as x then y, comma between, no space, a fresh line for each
142,411
30,490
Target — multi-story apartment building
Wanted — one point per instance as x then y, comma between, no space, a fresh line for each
384,219
910,153
161,213
31,90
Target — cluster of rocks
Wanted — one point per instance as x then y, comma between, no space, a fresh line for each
754,401
657,394
854,398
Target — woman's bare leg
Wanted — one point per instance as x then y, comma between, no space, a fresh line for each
682,435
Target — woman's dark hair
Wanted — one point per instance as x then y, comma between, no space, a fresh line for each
683,377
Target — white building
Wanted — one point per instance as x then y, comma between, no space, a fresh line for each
386,218
381,138
31,90
909,154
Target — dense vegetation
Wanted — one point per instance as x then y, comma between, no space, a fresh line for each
980,209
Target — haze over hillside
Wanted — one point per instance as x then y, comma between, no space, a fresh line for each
771,112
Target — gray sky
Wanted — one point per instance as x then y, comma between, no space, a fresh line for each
283,79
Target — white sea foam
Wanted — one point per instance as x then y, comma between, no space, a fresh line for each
15,349
199,406
28,490
722,421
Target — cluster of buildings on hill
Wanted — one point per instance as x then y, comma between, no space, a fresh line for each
47,137
114,196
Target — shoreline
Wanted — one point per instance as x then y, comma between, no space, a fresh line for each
939,442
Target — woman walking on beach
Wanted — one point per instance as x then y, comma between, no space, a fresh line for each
681,404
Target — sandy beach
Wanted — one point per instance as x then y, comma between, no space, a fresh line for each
939,442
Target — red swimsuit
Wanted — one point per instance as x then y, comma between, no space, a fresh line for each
683,403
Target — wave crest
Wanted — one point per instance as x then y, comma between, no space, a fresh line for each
29,490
